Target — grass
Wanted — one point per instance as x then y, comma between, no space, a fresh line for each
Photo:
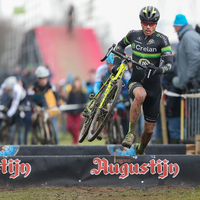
87,193
66,139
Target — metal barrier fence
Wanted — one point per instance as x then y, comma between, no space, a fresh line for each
191,108
190,115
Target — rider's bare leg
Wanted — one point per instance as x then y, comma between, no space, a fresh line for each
145,136
135,111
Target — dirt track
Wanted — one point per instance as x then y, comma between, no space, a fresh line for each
106,193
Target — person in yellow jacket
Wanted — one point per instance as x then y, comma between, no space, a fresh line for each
43,93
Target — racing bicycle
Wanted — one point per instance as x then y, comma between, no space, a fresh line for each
97,113
42,128
114,126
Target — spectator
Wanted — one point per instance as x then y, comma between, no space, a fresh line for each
197,28
67,87
172,107
24,125
70,19
17,73
76,96
89,84
188,55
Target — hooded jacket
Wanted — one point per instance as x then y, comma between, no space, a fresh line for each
188,56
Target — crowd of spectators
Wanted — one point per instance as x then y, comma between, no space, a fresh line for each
73,90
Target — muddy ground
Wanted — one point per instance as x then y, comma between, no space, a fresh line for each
103,193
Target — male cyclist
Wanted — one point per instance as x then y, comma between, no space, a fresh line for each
148,46
44,94
102,74
14,95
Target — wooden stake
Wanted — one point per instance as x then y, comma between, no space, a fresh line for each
163,121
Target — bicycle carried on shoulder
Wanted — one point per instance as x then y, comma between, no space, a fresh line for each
96,113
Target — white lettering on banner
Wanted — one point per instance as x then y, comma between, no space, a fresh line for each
145,49
14,168
162,167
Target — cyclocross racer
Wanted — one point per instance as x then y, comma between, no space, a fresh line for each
14,95
43,93
148,46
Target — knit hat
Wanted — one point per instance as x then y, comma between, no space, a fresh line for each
180,20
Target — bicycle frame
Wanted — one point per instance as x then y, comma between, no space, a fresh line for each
98,94
113,78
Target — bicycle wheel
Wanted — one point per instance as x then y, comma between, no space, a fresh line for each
104,113
120,132
88,120
51,132
38,132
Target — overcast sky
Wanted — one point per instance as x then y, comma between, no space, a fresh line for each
120,15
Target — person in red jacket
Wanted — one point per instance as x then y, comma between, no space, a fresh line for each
76,96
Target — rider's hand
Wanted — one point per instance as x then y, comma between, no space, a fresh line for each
114,69
154,69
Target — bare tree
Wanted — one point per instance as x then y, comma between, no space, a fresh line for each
5,29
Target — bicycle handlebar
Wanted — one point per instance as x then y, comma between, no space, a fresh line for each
125,57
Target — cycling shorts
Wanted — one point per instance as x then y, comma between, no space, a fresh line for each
151,105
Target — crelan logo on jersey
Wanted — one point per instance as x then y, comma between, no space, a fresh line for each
158,35
151,41
145,49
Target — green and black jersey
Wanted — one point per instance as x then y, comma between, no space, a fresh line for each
147,50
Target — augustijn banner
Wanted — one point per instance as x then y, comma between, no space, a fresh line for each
99,171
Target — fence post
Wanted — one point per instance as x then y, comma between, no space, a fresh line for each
197,148
163,121
182,120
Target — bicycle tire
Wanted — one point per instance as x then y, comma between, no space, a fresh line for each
88,120
38,133
120,132
52,132
114,91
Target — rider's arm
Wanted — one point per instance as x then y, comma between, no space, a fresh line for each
122,44
18,91
167,56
